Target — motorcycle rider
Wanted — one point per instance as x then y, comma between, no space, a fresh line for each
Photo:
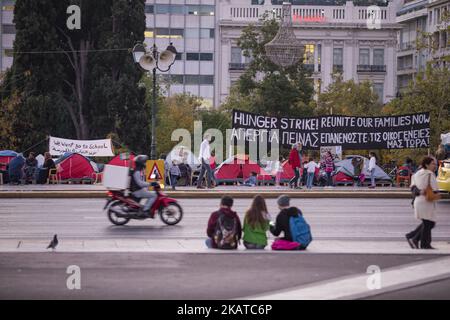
138,185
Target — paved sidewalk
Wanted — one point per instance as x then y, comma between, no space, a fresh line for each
98,191
197,246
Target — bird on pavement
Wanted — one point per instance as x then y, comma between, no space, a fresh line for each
53,243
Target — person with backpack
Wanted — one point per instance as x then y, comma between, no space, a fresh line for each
256,224
224,227
290,221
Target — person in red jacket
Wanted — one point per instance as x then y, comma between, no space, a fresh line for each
295,162
225,209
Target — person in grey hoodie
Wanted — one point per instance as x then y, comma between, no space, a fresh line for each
139,187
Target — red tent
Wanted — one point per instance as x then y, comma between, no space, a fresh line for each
342,178
239,168
119,160
5,157
74,166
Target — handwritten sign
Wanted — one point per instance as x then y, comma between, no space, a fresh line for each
88,148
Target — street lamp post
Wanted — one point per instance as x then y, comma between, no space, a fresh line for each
154,60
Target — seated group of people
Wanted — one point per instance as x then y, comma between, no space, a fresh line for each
224,229
27,170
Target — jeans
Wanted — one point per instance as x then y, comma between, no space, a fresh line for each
205,168
208,243
173,180
422,233
372,177
251,246
310,180
295,179
329,180
145,194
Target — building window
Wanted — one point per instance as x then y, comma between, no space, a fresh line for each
9,29
236,55
206,10
192,33
149,8
258,2
162,9
149,33
206,79
190,56
364,57
177,9
207,33
179,56
378,89
308,56
378,57
169,33
206,56
337,57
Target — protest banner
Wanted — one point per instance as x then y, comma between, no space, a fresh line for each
87,148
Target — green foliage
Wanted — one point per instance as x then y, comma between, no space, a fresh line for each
265,87
89,87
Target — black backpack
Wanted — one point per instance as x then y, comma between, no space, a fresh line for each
225,234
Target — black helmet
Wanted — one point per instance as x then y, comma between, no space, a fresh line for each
140,161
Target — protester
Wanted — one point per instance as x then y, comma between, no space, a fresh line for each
256,224
16,169
300,169
290,221
185,173
409,163
277,171
175,173
30,167
357,163
204,157
213,165
372,164
252,180
295,162
48,164
423,209
311,170
224,227
329,168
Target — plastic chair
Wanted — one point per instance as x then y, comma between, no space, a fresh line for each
403,176
53,176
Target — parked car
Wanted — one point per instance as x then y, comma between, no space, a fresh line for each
443,178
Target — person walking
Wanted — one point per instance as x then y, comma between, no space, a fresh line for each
424,209
372,164
311,167
329,167
357,163
256,224
295,162
175,173
204,157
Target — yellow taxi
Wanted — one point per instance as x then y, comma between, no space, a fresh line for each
443,178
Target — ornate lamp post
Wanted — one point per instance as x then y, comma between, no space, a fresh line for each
285,49
154,60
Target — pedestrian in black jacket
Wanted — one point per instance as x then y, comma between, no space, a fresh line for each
282,221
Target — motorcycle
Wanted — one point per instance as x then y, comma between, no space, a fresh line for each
122,208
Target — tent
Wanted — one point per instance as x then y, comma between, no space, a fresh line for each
5,157
120,160
15,170
239,168
345,171
40,159
72,166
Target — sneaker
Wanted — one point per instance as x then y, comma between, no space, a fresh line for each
428,248
413,244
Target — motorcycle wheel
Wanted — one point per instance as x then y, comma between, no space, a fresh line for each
118,221
172,214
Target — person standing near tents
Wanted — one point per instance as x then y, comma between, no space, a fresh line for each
204,157
295,162
424,209
372,164
329,167
357,163
48,164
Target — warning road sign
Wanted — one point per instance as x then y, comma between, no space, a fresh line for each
155,171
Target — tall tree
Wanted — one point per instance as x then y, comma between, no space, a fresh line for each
85,80
266,87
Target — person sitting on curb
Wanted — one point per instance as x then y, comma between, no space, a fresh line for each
252,180
256,224
224,227
290,221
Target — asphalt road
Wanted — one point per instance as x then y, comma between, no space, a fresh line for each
176,276
364,219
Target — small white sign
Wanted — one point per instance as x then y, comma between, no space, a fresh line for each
88,148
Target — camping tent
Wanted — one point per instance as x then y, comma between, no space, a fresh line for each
122,161
40,159
5,157
345,171
74,166
239,168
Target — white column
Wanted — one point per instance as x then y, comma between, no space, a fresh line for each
316,57
390,83
327,62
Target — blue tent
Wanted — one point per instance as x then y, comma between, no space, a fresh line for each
15,168
8,153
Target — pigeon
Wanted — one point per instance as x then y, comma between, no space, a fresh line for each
53,243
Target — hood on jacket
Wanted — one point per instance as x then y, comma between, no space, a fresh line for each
227,212
291,212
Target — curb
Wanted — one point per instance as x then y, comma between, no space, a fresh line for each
216,194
